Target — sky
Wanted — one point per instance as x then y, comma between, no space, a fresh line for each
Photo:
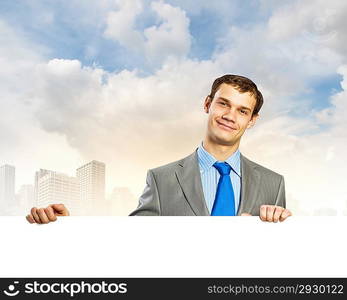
123,82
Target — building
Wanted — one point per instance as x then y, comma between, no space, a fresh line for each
38,175
53,187
91,179
7,188
25,198
83,194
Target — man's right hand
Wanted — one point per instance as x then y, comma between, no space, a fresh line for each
48,214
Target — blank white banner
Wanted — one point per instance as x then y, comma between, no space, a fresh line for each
174,247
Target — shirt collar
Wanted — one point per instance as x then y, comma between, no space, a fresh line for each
206,160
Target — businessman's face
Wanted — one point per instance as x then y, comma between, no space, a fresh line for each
230,114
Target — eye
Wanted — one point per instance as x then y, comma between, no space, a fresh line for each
222,103
243,111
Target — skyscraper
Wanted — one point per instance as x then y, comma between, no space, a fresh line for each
7,188
53,187
91,178
38,175
25,198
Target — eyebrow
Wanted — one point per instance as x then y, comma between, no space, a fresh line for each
227,100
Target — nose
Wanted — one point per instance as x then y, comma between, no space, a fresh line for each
230,115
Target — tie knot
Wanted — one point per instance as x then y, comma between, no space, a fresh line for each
223,168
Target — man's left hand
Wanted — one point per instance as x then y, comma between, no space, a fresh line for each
272,213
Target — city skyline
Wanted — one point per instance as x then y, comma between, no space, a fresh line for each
83,194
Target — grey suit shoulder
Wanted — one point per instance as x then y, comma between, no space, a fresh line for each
175,189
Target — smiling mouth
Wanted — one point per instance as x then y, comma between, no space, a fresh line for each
225,127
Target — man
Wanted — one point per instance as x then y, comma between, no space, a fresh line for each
216,179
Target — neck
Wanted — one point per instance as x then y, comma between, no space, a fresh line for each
218,151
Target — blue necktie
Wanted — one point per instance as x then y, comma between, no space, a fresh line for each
224,203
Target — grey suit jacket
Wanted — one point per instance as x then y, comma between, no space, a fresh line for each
176,189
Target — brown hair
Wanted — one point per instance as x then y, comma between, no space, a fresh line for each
243,85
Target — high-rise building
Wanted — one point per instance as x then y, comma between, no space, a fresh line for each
38,175
54,187
25,198
91,178
7,188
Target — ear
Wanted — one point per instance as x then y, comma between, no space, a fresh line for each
207,104
252,121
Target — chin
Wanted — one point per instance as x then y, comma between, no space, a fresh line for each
221,137
225,141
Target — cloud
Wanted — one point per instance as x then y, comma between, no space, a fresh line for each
323,24
120,25
17,56
335,115
169,38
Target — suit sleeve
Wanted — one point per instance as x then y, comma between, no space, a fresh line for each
149,204
281,195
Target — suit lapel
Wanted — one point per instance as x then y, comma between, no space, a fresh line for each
250,182
188,175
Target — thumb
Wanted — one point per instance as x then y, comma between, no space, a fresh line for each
246,215
60,210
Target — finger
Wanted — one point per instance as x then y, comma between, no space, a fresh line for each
270,213
60,209
43,216
246,215
30,219
285,214
50,214
262,213
35,215
277,213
